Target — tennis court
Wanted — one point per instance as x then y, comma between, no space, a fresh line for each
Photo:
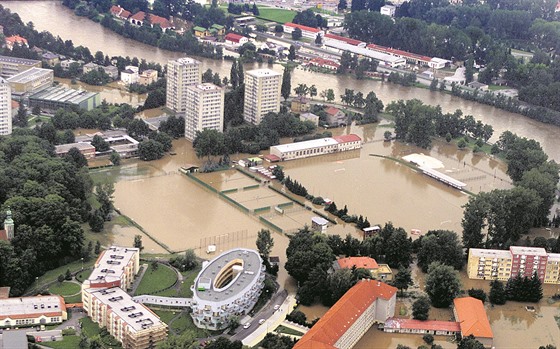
226,180
258,197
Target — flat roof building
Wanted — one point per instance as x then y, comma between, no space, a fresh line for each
384,58
31,81
316,147
86,149
229,285
262,94
364,304
181,73
378,271
205,109
433,327
115,267
10,66
31,311
5,108
54,98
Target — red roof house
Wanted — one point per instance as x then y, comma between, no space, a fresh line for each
302,27
348,139
347,311
471,315
359,262
16,39
162,22
138,18
235,39
345,40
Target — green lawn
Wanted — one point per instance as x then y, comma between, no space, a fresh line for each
155,280
91,329
52,275
497,87
64,288
287,330
83,275
276,14
68,342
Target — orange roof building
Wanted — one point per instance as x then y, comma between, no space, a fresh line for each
366,303
378,271
16,39
359,262
471,316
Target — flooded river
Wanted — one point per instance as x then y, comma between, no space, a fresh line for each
181,214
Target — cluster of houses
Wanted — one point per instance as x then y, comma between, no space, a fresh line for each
141,18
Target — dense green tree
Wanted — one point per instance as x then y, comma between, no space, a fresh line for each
264,242
292,52
403,279
115,158
75,157
296,34
305,252
155,99
342,5
208,143
100,144
442,284
440,246
469,342
20,119
497,293
150,150
421,308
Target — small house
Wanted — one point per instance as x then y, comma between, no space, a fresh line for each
335,116
310,117
16,40
129,75
299,105
388,10
50,59
200,32
235,39
319,224
148,77
219,29
371,231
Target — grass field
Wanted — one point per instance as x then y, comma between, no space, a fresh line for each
287,330
497,87
91,329
183,322
68,342
276,14
64,288
52,275
185,290
83,275
155,280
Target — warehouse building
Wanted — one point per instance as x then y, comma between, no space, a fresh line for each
54,98
31,81
315,147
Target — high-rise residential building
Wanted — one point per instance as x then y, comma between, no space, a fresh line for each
181,73
205,109
5,108
518,260
262,94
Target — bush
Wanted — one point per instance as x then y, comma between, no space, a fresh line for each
478,294
68,332
60,278
428,338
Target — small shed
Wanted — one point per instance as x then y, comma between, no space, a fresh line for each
371,231
319,224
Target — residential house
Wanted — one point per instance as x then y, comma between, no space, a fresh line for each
89,67
235,39
335,116
378,271
299,104
163,23
50,59
219,29
112,71
65,64
319,224
478,85
200,32
120,12
130,75
16,39
323,63
470,314
310,117
148,77
388,10
138,18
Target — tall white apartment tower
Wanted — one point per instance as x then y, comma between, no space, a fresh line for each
262,94
204,109
181,73
5,108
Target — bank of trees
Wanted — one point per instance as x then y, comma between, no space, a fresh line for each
440,246
518,288
48,199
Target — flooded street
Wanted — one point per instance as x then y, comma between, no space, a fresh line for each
179,213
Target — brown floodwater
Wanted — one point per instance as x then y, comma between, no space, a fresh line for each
61,21
114,92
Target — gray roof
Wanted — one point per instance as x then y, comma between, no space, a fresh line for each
29,75
63,95
17,60
64,148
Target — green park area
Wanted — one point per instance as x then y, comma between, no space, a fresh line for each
83,275
68,342
158,277
67,289
274,14
185,289
180,322
92,330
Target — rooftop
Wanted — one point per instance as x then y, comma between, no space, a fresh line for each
484,253
206,86
348,138
64,148
472,317
554,257
30,75
319,220
344,313
534,251
137,316
184,61
110,264
344,39
302,27
16,60
380,56
314,143
359,262
431,325
63,95
246,265
234,37
26,307
262,72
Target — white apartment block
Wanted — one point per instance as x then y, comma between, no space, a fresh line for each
131,323
5,108
262,94
181,73
205,109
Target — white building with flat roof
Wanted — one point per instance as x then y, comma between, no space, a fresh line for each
388,10
131,323
316,147
31,311
181,73
5,108
262,94
115,267
227,286
205,109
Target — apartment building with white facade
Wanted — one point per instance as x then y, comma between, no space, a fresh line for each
262,94
518,260
181,73
5,108
205,109
115,267
227,286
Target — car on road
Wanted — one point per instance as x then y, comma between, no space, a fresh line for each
277,306
247,325
261,321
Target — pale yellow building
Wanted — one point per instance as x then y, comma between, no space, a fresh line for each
181,73
552,274
31,81
489,264
205,109
262,94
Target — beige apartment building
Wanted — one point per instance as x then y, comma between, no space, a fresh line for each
10,66
181,73
31,81
518,260
5,108
262,94
205,109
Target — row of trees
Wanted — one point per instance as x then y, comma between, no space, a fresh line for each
518,288
416,123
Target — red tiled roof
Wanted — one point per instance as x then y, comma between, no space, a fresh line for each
431,325
342,315
125,14
272,158
139,16
332,110
116,9
346,139
321,61
359,262
233,37
302,27
16,39
472,317
3,235
162,22
399,53
343,39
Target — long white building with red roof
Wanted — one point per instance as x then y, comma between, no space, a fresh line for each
314,147
345,323
306,32
31,311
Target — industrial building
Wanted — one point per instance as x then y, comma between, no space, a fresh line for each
10,66
315,147
262,94
31,81
181,73
5,108
227,286
54,98
205,109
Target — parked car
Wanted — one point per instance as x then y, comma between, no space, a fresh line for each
261,321
247,325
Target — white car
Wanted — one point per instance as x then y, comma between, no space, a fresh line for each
261,321
277,306
247,325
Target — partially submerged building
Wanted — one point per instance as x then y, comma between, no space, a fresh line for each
316,147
